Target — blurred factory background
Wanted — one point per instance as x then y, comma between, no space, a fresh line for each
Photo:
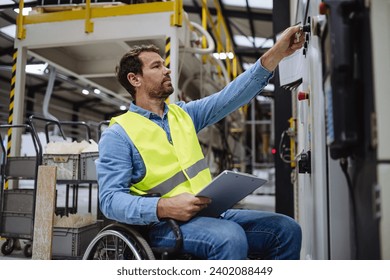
317,132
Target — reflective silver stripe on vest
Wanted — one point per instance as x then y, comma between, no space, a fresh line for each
178,178
194,169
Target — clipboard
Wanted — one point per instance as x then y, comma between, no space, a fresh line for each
227,189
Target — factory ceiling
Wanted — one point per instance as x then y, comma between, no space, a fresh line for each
249,24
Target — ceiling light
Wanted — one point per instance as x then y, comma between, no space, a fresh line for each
264,4
247,41
97,91
123,107
25,11
223,55
85,91
36,69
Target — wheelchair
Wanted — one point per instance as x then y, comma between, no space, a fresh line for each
118,241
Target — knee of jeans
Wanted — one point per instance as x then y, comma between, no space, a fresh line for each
232,241
292,228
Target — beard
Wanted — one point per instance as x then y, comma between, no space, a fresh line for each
167,91
163,92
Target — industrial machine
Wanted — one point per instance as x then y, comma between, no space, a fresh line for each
338,152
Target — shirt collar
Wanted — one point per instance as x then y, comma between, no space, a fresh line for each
147,114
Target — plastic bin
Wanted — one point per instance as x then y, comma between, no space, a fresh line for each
72,242
88,166
21,167
17,215
18,201
68,165
17,225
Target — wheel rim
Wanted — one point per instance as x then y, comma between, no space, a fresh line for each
114,245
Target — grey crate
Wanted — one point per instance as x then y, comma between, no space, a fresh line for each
18,201
88,166
16,225
72,242
21,167
68,165
17,213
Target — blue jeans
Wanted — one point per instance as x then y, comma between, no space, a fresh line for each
239,234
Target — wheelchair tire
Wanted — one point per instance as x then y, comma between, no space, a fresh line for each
118,243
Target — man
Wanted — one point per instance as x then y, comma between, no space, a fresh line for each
153,148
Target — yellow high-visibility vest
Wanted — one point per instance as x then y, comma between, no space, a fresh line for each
171,168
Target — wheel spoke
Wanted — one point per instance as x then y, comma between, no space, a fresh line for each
118,245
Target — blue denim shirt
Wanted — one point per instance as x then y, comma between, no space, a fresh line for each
120,165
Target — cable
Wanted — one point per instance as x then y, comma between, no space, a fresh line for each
284,149
209,39
344,168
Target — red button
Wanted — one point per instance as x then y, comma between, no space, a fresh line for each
323,8
303,95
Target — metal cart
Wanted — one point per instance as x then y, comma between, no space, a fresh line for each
69,242
69,162
17,206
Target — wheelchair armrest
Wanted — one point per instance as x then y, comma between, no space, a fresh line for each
176,231
166,252
178,235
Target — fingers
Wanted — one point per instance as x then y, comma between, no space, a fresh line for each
188,213
199,207
200,203
291,31
202,200
181,207
294,34
298,45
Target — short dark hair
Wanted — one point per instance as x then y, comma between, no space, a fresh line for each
130,62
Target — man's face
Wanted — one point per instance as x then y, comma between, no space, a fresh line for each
155,78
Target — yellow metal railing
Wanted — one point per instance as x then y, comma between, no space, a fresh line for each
21,31
89,12
220,31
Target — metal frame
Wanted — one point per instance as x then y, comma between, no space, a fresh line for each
380,11
71,26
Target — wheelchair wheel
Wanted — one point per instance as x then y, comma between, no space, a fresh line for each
118,243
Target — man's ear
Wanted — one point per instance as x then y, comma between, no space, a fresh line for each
133,79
